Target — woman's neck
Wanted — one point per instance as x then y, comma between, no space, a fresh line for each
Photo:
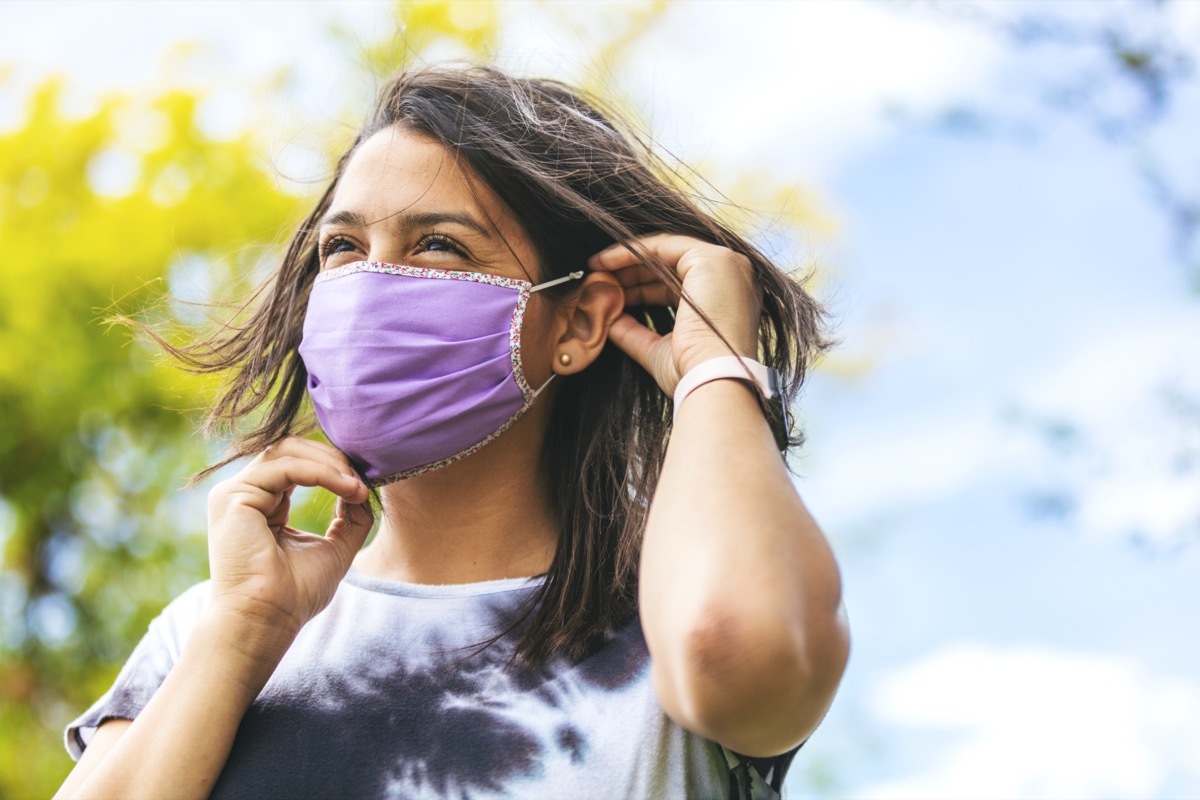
483,518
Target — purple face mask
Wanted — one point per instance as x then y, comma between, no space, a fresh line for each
412,369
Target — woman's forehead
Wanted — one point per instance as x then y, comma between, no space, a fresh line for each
396,171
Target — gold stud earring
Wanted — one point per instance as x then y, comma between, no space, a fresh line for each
564,359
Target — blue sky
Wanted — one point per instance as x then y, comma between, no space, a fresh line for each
998,654
976,282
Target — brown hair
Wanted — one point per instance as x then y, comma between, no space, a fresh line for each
577,183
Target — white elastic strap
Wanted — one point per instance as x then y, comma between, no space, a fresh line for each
538,390
720,368
574,276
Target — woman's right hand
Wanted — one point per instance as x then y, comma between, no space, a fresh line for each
265,573
268,579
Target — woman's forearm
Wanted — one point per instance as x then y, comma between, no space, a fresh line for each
740,593
178,745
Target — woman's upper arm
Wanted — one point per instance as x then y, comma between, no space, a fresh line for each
103,741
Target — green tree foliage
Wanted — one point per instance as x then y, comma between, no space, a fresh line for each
109,213
111,208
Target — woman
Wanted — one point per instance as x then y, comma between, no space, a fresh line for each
592,576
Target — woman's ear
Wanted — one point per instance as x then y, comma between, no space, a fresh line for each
599,302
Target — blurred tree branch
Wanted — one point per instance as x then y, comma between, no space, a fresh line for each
1126,72
1121,69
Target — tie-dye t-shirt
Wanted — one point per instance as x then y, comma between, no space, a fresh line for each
387,694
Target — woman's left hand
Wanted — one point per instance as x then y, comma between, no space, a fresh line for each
738,590
715,278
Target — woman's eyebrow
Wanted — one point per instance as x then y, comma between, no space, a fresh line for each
429,219
425,219
345,219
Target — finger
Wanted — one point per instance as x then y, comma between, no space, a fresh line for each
650,294
636,274
299,447
668,247
636,340
282,511
350,526
273,477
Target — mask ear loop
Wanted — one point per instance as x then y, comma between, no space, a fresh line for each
538,390
574,276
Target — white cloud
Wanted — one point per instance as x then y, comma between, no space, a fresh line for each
1107,383
806,84
234,49
1131,473
1107,376
1162,507
1036,722
802,84
770,83
898,463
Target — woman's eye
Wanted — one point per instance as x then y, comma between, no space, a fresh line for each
437,243
336,245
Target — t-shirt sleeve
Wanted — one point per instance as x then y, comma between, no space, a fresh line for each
145,670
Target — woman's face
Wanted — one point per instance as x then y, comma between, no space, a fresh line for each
403,199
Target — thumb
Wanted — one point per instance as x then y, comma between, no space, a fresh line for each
647,348
351,524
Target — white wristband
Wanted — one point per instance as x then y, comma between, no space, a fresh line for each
724,367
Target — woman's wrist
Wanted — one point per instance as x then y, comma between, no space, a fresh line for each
248,648
761,381
721,368
694,358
